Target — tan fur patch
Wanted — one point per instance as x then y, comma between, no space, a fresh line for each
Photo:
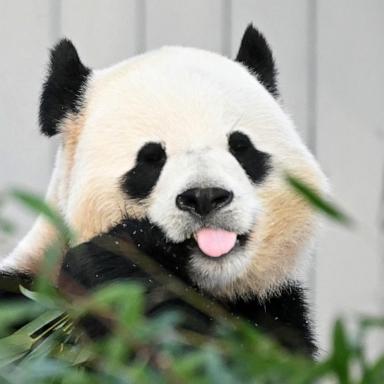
100,210
280,236
71,129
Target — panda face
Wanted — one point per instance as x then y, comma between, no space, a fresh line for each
202,194
197,188
198,145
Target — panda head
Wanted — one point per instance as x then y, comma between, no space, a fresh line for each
195,143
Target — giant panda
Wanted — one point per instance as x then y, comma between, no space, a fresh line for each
183,153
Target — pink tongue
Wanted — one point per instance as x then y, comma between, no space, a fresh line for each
215,242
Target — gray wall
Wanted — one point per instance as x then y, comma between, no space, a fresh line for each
331,60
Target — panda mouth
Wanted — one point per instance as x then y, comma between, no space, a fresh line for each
216,243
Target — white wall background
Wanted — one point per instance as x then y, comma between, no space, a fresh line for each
331,60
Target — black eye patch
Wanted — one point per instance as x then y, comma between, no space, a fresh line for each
140,180
255,163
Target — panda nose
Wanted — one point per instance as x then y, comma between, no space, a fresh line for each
202,201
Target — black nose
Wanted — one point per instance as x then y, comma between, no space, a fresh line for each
202,201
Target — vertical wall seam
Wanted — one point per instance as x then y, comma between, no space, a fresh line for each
55,8
55,33
226,28
312,75
381,232
312,123
141,26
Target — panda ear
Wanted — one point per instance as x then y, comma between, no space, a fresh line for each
256,55
64,87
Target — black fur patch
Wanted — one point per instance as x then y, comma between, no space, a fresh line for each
63,90
255,163
283,316
256,55
10,282
92,265
140,180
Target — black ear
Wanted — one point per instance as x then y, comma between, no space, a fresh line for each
63,90
255,54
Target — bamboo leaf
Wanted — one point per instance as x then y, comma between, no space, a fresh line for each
6,226
341,354
326,207
15,346
38,205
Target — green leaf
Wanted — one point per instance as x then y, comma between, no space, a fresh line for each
375,373
15,346
39,370
6,226
324,206
49,300
15,311
38,205
217,371
187,365
372,322
341,354
127,298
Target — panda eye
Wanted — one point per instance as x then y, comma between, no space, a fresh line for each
255,163
239,143
152,153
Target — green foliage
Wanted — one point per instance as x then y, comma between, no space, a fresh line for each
37,205
51,348
325,207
